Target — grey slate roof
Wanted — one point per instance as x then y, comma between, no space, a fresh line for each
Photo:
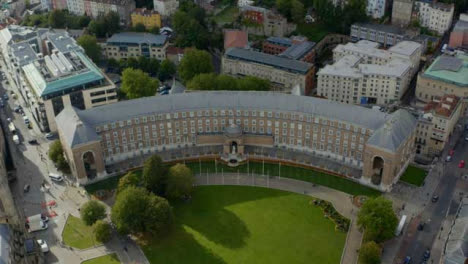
395,131
138,38
297,51
74,132
63,42
381,27
23,52
280,41
267,59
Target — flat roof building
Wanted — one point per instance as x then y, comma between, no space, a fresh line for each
371,147
135,44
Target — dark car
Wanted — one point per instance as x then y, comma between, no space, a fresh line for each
407,260
32,142
26,188
427,254
421,226
5,96
17,108
435,198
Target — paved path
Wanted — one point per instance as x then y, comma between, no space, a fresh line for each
341,201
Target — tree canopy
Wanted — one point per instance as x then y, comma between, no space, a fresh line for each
92,211
155,175
56,19
130,179
91,47
167,69
378,219
195,62
369,253
179,182
57,157
211,81
138,211
293,10
102,231
106,25
136,84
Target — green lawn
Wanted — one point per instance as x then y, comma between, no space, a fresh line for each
228,15
107,259
77,234
107,184
314,32
241,224
414,175
308,175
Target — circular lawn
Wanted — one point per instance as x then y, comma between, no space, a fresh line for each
241,224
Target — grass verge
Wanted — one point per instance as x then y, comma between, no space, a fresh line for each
414,175
107,259
78,235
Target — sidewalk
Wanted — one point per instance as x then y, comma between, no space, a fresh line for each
341,201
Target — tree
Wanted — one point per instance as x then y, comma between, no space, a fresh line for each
91,47
97,28
137,211
91,211
57,156
130,179
203,82
102,231
139,27
370,253
167,69
136,84
378,218
190,31
58,19
155,175
112,22
195,62
226,82
251,83
154,30
297,11
179,182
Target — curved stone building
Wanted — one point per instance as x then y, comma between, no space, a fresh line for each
367,145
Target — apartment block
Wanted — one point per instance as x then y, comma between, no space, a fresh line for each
364,74
135,44
376,8
386,35
436,124
149,18
96,8
51,71
265,125
264,22
297,48
286,75
166,7
434,15
446,75
242,3
459,35
402,12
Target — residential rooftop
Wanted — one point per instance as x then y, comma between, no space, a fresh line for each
235,39
286,42
297,51
405,47
444,106
451,69
382,27
145,12
267,59
138,38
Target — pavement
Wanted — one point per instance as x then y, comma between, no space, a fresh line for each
341,201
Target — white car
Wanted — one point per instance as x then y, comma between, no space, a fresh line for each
43,245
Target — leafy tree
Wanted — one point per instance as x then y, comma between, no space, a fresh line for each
130,179
113,64
226,82
166,70
370,253
105,25
155,175
91,211
97,28
251,83
102,231
179,182
91,47
136,84
378,218
139,27
57,156
297,11
203,82
137,211
190,32
195,62
154,30
57,19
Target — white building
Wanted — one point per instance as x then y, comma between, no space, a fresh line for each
376,8
434,15
166,7
364,74
242,3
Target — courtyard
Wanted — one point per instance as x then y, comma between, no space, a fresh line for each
238,224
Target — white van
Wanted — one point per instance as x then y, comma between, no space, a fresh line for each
37,218
56,177
36,226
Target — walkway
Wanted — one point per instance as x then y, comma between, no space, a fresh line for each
341,201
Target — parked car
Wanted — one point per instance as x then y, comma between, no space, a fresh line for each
466,137
435,198
165,92
56,177
37,217
26,188
50,135
421,226
5,96
43,245
427,254
448,158
461,164
32,141
26,120
17,108
407,260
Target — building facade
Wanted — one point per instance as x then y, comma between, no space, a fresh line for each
459,35
51,71
376,8
386,35
436,124
446,75
435,16
96,8
286,75
401,12
149,18
264,22
166,7
134,44
236,125
242,3
364,74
